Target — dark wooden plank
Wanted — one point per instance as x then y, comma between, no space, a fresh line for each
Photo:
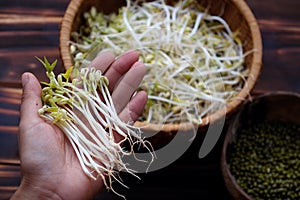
10,99
27,31
9,142
57,5
276,9
15,61
284,73
279,22
29,23
280,33
27,38
9,180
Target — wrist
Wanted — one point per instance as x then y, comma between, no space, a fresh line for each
27,191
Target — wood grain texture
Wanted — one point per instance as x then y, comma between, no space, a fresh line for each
30,28
279,22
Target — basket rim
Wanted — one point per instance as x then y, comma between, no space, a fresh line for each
243,95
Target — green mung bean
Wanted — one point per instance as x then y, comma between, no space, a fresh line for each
265,160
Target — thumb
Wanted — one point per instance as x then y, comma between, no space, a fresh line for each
31,100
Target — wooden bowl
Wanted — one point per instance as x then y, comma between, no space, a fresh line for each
237,14
283,106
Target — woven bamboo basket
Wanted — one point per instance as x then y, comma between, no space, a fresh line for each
235,12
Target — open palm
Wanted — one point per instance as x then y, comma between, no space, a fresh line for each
49,166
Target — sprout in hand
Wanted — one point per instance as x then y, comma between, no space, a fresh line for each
83,109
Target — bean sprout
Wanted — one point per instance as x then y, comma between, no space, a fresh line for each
90,122
195,62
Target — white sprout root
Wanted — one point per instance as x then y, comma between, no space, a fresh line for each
84,111
195,61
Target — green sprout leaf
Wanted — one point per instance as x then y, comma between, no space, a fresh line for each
68,73
49,67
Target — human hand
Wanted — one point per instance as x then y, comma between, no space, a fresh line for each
49,166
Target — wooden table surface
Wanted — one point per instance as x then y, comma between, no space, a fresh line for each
30,28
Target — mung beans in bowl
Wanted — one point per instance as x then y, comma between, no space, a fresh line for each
261,151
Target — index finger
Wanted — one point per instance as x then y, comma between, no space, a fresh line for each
120,66
103,61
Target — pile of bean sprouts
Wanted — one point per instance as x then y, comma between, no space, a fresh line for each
84,111
195,62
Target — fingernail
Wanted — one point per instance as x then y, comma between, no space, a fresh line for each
131,51
138,63
25,79
133,54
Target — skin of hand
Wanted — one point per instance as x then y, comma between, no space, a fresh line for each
49,166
